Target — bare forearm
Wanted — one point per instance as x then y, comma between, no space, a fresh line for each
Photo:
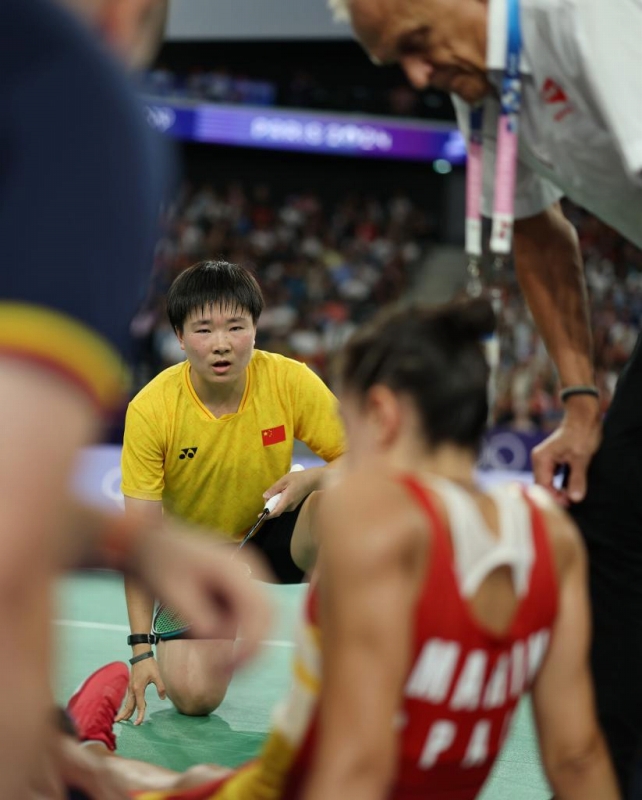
346,788
25,703
330,473
549,268
349,778
140,601
44,422
313,479
140,610
590,777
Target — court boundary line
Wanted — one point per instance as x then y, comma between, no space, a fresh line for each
107,626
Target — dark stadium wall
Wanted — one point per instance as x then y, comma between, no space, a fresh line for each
339,68
329,177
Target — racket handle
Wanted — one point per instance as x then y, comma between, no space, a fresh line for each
273,501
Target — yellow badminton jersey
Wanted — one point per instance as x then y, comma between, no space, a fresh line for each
213,471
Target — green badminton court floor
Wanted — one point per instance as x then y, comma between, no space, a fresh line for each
91,628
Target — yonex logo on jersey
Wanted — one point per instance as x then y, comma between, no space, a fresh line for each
188,452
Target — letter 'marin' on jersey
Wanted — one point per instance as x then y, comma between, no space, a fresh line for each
463,680
473,694
432,675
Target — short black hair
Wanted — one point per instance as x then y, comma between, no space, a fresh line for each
433,355
213,283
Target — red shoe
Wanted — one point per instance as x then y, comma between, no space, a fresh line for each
94,705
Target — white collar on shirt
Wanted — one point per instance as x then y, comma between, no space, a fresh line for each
497,31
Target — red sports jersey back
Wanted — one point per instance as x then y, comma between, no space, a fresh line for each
464,681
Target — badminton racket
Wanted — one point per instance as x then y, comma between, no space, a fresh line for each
268,508
167,624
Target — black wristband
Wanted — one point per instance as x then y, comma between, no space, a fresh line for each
571,391
141,638
141,657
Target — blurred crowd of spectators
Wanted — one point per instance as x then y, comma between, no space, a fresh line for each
326,267
301,90
527,391
213,86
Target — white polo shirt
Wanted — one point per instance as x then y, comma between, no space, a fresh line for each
580,131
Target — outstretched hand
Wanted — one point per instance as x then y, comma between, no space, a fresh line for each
197,579
572,446
141,675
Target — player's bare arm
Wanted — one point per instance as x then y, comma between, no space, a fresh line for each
140,609
549,268
574,753
371,561
32,530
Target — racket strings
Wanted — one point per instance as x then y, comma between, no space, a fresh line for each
167,623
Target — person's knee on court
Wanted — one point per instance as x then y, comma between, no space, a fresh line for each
196,673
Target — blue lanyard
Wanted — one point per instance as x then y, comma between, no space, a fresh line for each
511,93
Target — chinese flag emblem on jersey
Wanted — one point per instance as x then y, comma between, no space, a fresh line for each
273,435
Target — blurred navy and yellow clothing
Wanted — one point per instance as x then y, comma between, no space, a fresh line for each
80,187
